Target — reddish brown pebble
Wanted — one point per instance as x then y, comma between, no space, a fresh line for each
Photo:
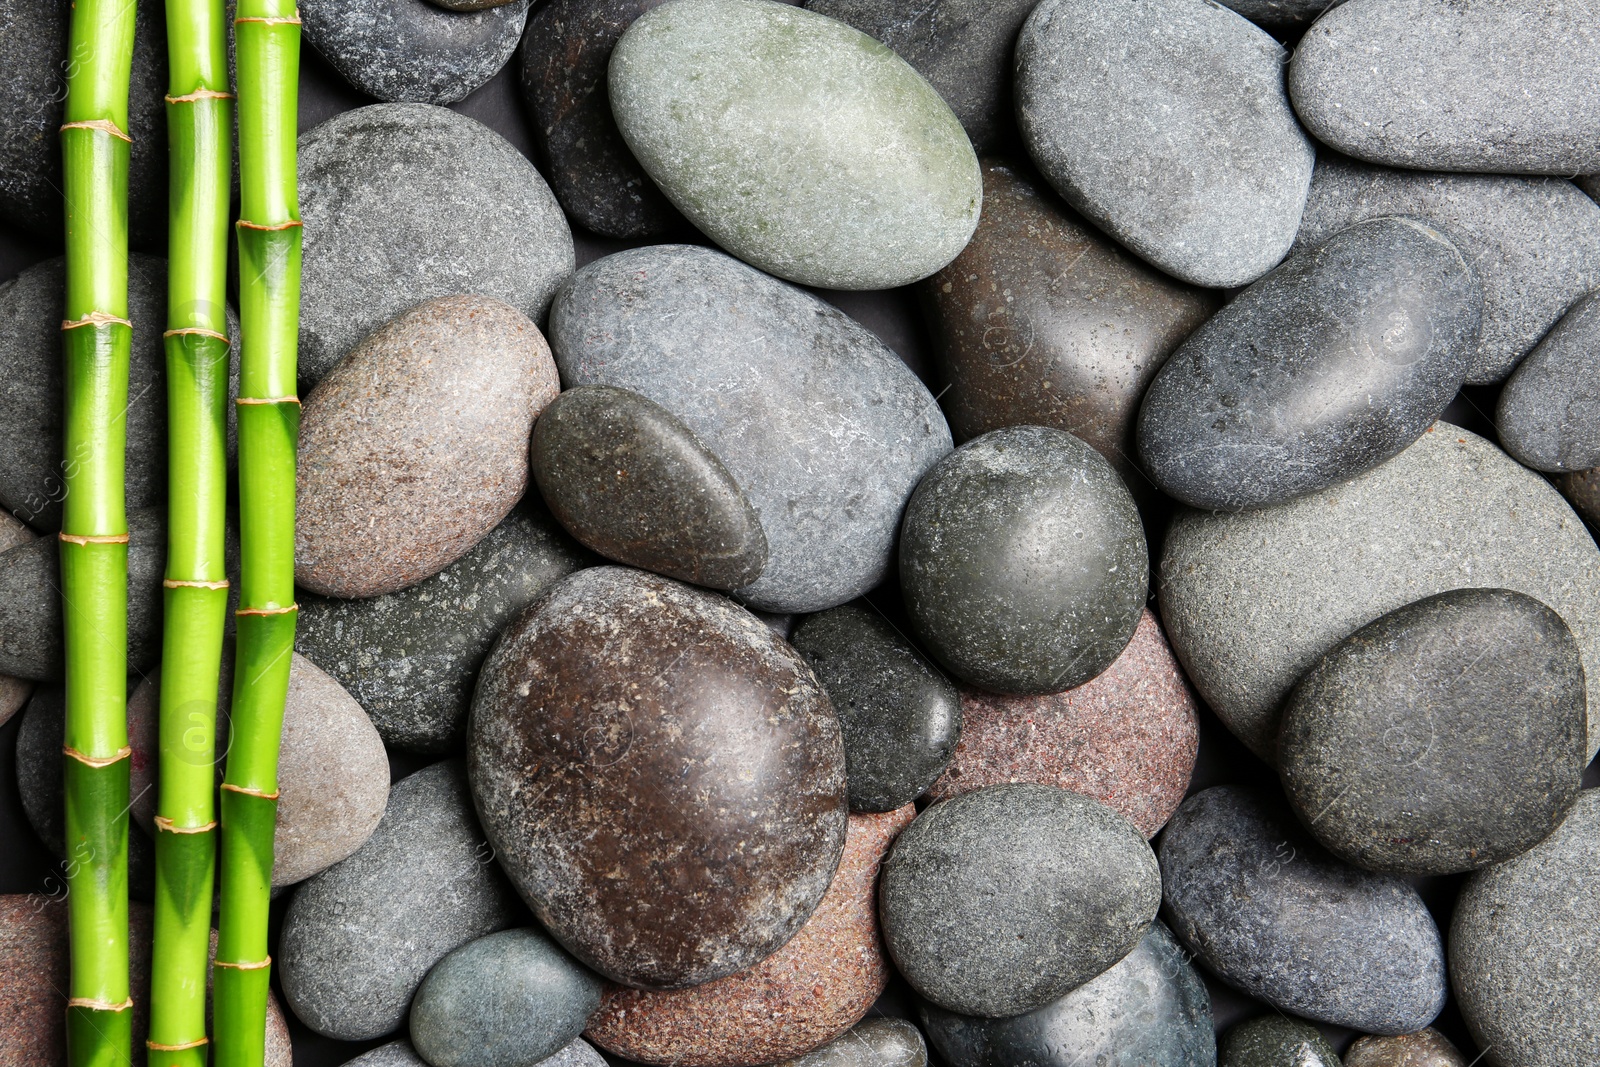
1127,737
801,997
1426,1048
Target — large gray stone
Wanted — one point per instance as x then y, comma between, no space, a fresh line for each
1549,412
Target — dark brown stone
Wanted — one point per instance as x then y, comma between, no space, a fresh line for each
1582,490
660,776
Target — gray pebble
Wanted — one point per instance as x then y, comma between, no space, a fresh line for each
1276,1041
876,1041
1549,412
394,1054
14,691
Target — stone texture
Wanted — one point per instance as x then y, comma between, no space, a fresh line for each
1332,363
415,446
1273,915
825,430
900,716
1251,601
807,993
1023,561
1151,1008
1549,412
1582,490
660,775
564,58
394,1054
1284,16
359,937
874,1042
863,179
1276,1041
632,482
1167,124
1127,738
14,692
1525,948
411,658
1533,242
413,50
405,202
1503,86
1426,1048
998,901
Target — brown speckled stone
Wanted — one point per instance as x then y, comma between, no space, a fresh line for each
1426,1048
416,444
804,995
1582,490
13,691
1127,737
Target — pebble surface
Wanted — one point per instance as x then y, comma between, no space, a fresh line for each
876,1042
13,691
1276,1041
1425,1048
1549,412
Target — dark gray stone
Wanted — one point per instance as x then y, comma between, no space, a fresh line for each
359,937
876,1041
1425,1048
1276,1041
1183,146
405,202
14,692
1281,15
900,716
824,429
394,1054
1549,411
1151,1008
411,50
1023,562
510,999
1272,914
998,901
1334,362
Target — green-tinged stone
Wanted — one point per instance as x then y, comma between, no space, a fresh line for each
1276,1041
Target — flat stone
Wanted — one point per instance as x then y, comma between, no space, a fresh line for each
1503,87
416,445
1167,124
1276,917
1276,1041
1285,16
1332,363
1251,601
411,658
1023,562
14,692
359,937
1549,412
412,50
1533,242
806,994
632,482
405,202
1425,1048
1151,1008
513,997
661,776
1127,737
825,430
997,902
900,716
876,1042
1523,946
601,186
863,179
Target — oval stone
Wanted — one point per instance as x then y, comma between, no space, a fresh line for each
394,1054
1023,562
1425,1048
824,429
1273,915
1167,124
661,776
1329,365
1549,412
1276,1041
862,179
13,691
879,1041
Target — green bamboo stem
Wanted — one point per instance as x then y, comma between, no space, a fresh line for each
199,134
96,336
267,37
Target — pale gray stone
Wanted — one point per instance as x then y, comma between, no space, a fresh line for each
1549,411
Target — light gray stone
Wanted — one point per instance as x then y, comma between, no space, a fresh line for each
1549,412
394,1054
875,1041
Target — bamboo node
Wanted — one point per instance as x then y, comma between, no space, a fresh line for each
278,20
181,583
97,761
157,1047
93,539
99,1005
103,125
198,332
247,791
269,227
267,400
96,318
267,611
164,823
255,966
198,95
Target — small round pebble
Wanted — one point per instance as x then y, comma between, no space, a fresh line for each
13,691
876,1042
1276,1041
1425,1048
1549,411
394,1054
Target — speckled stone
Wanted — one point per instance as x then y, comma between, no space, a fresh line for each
359,937
1426,1048
1525,948
511,999
1251,601
1151,1008
1549,412
1023,561
394,1054
1167,124
824,428
900,716
1127,738
1276,1041
876,1042
1582,490
564,58
405,202
628,479
416,445
661,776
1335,361
411,658
1502,86
413,50
998,901
14,692
1280,15
1273,915
863,179
1533,242
807,993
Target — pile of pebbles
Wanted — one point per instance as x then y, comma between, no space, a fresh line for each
679,668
